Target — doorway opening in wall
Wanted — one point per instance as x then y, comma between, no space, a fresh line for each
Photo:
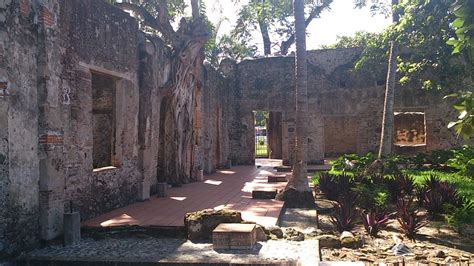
268,134
261,141
103,122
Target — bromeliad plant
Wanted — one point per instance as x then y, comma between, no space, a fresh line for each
407,216
334,186
435,194
344,214
374,221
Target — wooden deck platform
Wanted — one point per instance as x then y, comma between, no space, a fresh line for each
227,189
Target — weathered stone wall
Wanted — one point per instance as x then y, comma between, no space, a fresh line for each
19,165
213,121
103,40
345,106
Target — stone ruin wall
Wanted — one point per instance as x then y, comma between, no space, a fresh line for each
56,56
345,106
57,51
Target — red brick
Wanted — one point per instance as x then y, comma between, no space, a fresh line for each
25,8
46,17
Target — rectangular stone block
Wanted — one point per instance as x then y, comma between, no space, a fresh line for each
276,178
72,228
234,236
264,194
283,169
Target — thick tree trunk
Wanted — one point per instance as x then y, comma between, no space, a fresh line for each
386,136
298,193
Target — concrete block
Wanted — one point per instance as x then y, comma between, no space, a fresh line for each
144,190
283,169
72,228
264,193
234,236
276,178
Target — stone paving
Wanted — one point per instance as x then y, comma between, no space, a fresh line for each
149,249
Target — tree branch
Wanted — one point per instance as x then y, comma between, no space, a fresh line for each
161,23
195,8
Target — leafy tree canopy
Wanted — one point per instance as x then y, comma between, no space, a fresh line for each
436,42
273,19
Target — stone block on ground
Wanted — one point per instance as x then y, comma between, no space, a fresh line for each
283,169
264,193
199,225
72,228
234,236
276,178
260,233
329,241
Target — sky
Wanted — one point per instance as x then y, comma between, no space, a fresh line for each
342,20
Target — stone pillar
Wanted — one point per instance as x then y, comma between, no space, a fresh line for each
50,122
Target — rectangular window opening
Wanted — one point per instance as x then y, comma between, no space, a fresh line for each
104,122
410,129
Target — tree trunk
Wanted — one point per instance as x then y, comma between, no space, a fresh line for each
298,193
386,137
267,44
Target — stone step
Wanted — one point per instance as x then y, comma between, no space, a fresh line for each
264,194
276,178
283,169
234,236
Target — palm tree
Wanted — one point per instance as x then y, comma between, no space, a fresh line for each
387,121
298,193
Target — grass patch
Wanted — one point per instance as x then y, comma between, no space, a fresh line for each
464,184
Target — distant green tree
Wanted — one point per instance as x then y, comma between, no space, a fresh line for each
273,18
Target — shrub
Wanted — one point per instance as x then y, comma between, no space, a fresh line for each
334,186
371,196
435,194
353,163
463,160
408,217
461,215
343,216
374,221
399,185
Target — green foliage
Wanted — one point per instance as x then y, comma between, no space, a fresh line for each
353,162
461,216
274,15
464,25
463,161
464,104
372,196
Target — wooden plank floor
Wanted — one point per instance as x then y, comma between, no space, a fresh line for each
227,189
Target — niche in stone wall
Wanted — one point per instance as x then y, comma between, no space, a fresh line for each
410,129
103,120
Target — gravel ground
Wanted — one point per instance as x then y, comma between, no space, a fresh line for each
149,249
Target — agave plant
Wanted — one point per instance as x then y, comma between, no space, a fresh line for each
344,213
408,217
374,221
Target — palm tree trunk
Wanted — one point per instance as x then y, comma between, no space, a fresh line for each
387,121
298,193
